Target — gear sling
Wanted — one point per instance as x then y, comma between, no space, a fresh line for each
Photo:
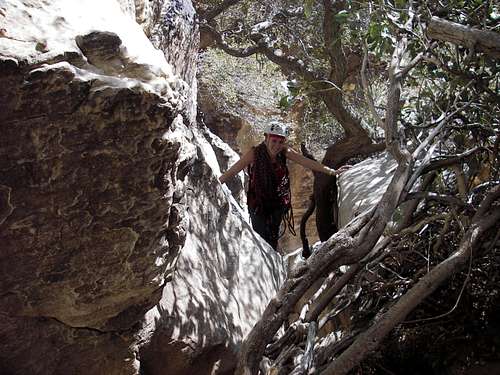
269,197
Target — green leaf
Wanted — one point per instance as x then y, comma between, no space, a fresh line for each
308,5
400,3
374,31
285,102
341,17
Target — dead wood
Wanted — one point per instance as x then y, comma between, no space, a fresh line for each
329,292
474,39
370,339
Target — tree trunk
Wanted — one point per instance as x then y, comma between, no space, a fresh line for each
479,40
348,246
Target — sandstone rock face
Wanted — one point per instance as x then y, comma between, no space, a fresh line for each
89,164
224,278
226,157
301,186
233,130
174,31
362,186
98,148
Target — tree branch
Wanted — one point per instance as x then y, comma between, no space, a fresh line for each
329,293
210,14
371,339
288,63
222,44
442,122
446,199
480,40
393,105
333,40
367,90
447,161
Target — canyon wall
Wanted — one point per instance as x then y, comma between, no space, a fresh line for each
108,193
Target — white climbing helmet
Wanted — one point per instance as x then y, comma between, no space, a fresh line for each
277,128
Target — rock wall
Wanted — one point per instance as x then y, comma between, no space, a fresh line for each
98,143
224,278
87,115
301,186
362,186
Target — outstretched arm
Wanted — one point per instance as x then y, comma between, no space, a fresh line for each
313,164
244,161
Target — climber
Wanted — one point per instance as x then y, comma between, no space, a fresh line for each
268,195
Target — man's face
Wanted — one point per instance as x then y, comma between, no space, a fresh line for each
275,144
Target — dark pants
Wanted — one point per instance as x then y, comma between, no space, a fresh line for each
267,225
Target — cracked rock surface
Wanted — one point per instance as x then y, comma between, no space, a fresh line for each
119,252
90,165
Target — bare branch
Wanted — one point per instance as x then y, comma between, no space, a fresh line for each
308,358
460,177
392,138
288,62
210,14
367,90
277,56
481,40
419,225
443,162
329,349
412,205
330,291
416,60
446,199
441,124
370,339
492,196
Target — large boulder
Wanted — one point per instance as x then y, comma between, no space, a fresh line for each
89,163
361,187
224,278
226,157
98,142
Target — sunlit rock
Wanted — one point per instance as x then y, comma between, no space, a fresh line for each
104,178
224,278
362,186
91,164
226,157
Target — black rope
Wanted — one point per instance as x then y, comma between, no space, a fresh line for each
289,222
